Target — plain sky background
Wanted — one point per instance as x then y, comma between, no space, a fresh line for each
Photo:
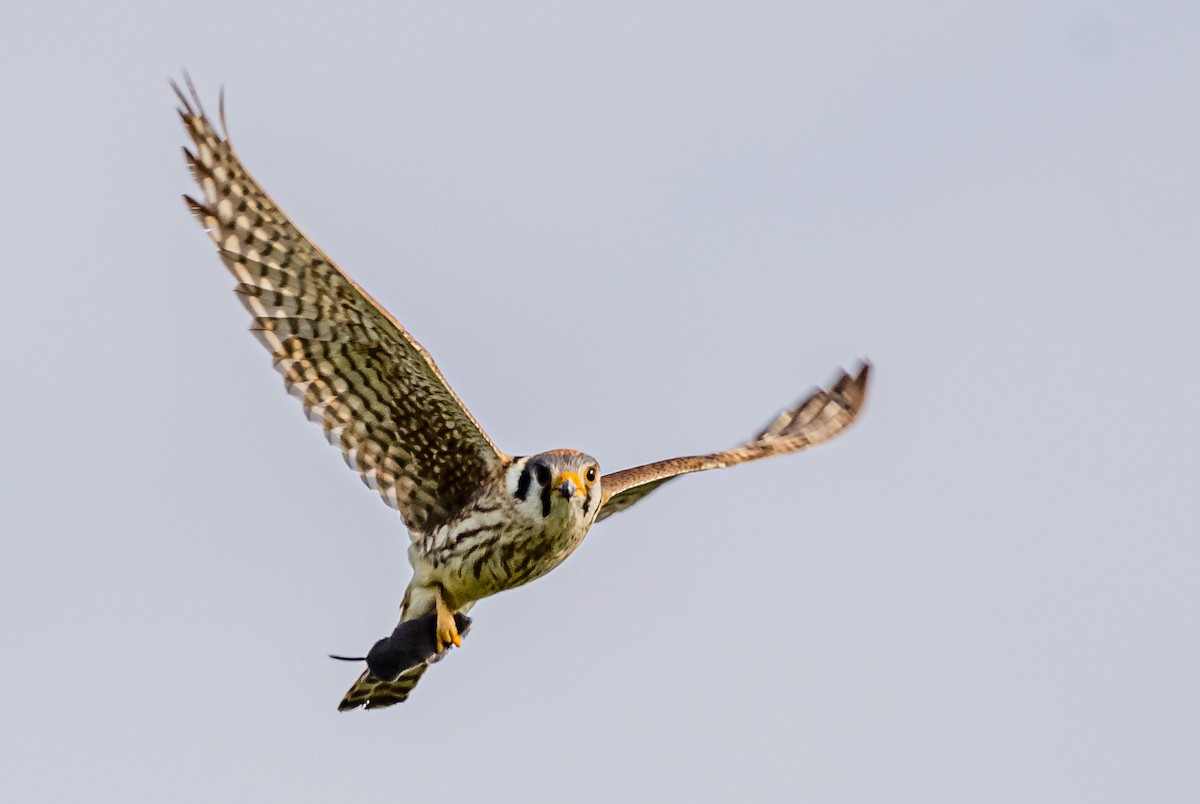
635,229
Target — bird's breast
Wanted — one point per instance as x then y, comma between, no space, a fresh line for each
478,558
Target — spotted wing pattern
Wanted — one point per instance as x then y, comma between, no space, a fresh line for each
818,418
360,375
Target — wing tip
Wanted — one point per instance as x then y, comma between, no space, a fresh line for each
190,101
858,383
850,387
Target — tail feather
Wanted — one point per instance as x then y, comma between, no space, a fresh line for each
396,663
371,692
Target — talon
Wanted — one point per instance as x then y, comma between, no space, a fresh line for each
447,630
447,635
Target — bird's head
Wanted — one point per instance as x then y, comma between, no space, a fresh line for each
557,483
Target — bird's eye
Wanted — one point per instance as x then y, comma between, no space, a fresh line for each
591,474
543,474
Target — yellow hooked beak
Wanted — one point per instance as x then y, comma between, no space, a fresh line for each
569,485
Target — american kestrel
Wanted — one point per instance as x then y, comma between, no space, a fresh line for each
480,521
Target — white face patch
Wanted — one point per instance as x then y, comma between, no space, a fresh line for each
532,482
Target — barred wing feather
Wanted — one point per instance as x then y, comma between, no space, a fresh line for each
359,374
816,419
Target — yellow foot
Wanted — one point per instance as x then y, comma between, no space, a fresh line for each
447,630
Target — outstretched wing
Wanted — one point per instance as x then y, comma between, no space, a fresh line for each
817,419
360,375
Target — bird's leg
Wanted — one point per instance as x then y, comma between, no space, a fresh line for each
447,630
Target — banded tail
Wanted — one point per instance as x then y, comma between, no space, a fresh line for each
397,662
372,692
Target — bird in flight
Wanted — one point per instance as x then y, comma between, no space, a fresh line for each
480,521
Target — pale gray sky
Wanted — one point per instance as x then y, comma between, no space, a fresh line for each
985,592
